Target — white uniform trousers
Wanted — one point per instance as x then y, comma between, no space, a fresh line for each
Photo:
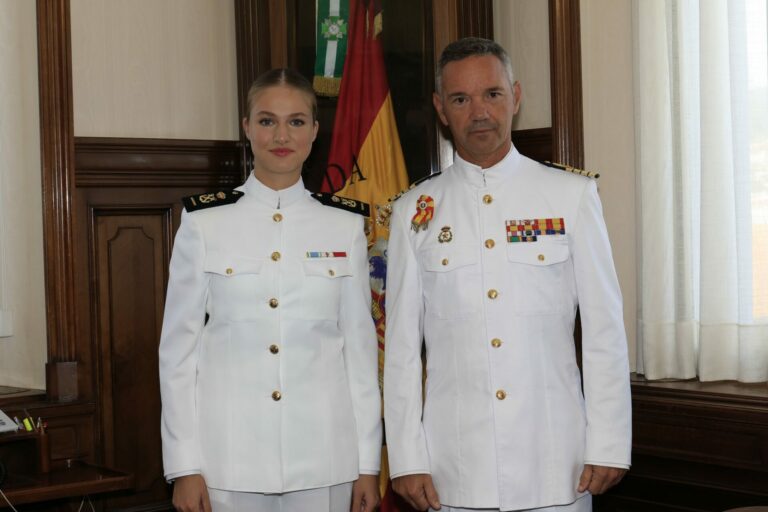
336,498
583,504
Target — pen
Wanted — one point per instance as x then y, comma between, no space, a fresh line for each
18,423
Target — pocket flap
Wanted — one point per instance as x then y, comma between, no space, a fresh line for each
331,268
231,264
445,259
539,253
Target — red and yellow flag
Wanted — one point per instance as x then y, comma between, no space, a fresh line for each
366,161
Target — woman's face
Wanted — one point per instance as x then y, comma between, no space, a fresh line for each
281,131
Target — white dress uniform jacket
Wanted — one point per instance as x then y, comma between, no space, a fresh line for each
278,391
505,424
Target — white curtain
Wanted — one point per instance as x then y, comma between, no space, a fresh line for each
695,181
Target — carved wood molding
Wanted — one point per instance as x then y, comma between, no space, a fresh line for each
57,161
117,162
254,56
565,68
475,18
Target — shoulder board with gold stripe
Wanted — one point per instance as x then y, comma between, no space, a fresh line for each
211,199
343,203
574,170
414,184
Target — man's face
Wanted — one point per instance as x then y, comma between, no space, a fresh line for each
477,103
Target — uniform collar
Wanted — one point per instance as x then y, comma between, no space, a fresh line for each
494,175
256,190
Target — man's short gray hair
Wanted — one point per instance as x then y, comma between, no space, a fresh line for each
472,47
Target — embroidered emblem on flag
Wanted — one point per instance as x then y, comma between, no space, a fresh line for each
320,254
529,230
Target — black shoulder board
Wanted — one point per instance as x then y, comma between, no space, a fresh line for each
211,199
414,184
351,205
568,168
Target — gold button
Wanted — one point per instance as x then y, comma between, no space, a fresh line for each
492,294
273,303
541,257
276,396
445,261
331,272
487,199
277,217
274,349
495,342
501,394
275,256
490,243
229,271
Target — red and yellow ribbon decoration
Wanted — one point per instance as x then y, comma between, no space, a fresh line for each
425,209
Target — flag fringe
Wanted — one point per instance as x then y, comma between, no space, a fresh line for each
326,85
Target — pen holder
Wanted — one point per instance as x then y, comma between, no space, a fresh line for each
43,452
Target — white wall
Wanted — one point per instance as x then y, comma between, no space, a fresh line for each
157,69
609,135
522,28
22,290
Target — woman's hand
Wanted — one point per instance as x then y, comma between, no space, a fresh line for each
190,494
365,493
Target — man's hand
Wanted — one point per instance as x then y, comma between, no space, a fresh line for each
417,490
190,494
598,479
365,493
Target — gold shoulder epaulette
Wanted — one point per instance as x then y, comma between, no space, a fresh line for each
384,211
574,170
343,203
211,199
414,184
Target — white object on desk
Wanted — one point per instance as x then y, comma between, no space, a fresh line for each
7,424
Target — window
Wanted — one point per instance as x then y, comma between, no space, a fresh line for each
702,161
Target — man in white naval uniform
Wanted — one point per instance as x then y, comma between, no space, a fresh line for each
488,262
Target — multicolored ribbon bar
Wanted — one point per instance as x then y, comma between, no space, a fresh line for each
321,254
528,230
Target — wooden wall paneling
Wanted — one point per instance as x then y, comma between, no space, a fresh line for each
254,41
535,143
57,162
131,163
131,252
700,447
475,18
565,69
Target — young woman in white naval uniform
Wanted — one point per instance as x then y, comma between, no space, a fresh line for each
268,354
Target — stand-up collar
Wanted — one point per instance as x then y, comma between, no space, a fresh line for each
257,191
494,175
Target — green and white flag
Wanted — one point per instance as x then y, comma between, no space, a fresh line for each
332,28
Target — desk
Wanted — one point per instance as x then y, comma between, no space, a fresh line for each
78,480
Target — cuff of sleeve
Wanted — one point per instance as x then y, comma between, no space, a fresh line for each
607,464
412,472
173,476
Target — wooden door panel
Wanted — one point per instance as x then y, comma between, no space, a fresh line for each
130,252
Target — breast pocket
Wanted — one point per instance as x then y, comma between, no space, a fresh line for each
323,279
451,281
236,284
541,276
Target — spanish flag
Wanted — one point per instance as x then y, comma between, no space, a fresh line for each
365,160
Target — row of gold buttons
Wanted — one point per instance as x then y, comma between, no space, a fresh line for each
273,303
492,294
